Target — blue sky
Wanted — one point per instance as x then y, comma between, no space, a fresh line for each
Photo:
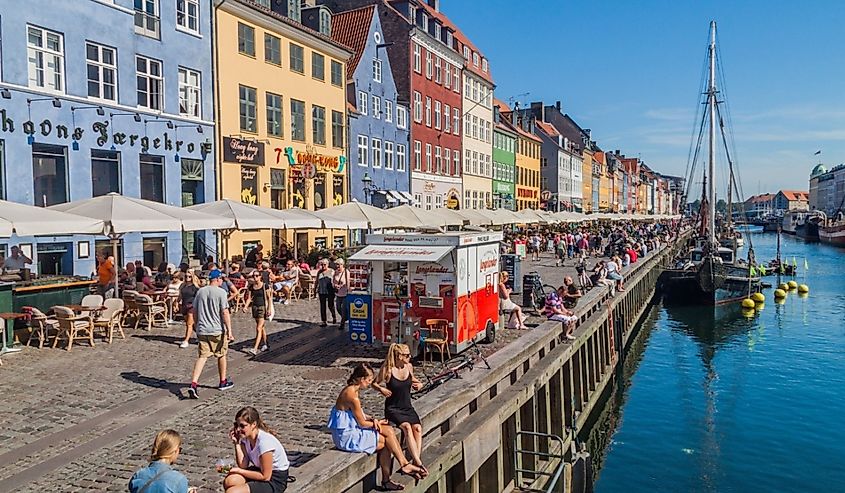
630,71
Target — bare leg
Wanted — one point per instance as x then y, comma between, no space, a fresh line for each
189,326
417,429
411,442
195,376
235,483
259,331
391,443
221,368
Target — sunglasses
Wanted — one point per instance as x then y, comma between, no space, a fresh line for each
241,426
405,354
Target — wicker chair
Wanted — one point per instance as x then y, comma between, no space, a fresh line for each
438,336
110,319
305,286
150,311
72,326
41,327
130,308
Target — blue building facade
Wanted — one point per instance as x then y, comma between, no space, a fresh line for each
378,128
100,96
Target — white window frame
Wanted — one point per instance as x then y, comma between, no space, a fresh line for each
456,156
363,102
401,117
183,8
39,59
468,160
438,70
428,65
418,200
376,107
447,83
457,85
417,59
417,107
388,155
447,121
190,94
363,151
102,68
376,70
467,53
437,115
428,111
144,16
400,158
475,59
375,145
147,75
388,111
417,155
467,125
438,160
447,161
484,65
456,121
428,158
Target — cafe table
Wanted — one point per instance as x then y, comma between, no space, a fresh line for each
6,318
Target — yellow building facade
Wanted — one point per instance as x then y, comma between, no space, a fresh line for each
281,121
587,181
527,187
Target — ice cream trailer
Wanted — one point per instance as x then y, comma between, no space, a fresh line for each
414,278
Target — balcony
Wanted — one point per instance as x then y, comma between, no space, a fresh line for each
147,24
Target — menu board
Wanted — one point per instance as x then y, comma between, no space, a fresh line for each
359,276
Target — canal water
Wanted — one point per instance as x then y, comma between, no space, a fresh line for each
715,402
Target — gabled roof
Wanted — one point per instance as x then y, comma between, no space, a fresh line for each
547,128
307,30
793,195
352,29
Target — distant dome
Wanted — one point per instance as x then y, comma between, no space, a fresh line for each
818,170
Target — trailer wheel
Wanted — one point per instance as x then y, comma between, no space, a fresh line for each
490,333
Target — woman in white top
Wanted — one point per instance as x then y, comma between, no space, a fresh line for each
261,462
340,282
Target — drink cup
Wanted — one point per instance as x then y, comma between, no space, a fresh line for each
223,466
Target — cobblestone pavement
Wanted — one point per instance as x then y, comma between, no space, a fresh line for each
84,420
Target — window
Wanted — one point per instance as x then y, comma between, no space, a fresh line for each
401,117
427,111
417,58
275,120
150,82
102,72
437,159
147,18
297,58
377,107
363,102
363,159
417,107
438,70
376,70
46,54
189,93
325,22
428,202
428,158
388,110
475,59
468,87
152,177
417,155
448,81
474,127
467,124
484,64
457,85
388,155
318,124
438,31
105,172
337,73
466,53
49,170
456,170
437,114
447,119
294,11
428,66
418,200
247,97
468,160
246,39
447,161
297,120
272,49
318,66
337,129
187,15
376,145
456,120
400,157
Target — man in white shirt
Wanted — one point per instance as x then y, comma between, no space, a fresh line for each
17,260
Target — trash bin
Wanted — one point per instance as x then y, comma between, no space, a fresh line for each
530,282
512,264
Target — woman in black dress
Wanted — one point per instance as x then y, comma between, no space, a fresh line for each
395,380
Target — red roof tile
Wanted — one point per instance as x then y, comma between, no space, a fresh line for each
352,29
793,195
547,128
463,39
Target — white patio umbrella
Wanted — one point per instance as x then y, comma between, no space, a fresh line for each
414,217
531,216
123,215
356,215
478,217
28,220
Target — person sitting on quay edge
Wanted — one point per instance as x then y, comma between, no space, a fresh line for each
159,476
354,431
516,320
261,461
571,293
555,310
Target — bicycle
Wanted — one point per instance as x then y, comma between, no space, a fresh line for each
452,369
537,293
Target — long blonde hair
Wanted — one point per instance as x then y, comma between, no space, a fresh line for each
166,445
393,352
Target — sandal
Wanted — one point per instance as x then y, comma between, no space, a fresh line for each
414,474
391,486
421,466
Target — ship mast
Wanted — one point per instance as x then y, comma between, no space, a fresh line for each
711,160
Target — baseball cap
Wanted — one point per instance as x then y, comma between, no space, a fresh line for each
215,274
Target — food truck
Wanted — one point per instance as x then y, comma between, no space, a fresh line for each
400,281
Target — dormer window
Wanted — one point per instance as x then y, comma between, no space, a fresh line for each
325,22
484,64
448,39
425,22
475,59
437,32
466,53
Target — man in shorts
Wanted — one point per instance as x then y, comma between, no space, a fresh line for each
214,330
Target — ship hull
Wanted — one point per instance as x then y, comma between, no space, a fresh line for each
711,284
835,235
808,231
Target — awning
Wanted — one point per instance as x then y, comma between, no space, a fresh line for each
388,196
402,253
398,197
405,197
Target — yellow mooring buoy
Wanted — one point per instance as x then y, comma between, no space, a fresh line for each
748,303
780,293
783,286
748,312
803,288
792,284
758,297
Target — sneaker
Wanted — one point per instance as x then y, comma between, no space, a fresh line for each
228,384
192,393
184,344
264,348
570,337
286,302
252,351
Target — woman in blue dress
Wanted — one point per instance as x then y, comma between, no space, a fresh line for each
354,431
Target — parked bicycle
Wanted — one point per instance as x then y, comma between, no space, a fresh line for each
452,369
534,292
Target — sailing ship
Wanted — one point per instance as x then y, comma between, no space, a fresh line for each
712,274
833,230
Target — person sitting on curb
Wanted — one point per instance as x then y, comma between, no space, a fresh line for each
261,461
158,476
516,320
555,310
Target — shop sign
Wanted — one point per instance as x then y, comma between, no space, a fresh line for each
502,187
310,158
452,203
359,308
526,193
243,151
453,199
249,185
429,186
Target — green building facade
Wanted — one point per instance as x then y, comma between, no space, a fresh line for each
504,166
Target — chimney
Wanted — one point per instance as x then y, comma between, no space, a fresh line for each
557,106
539,111
617,152
589,133
435,4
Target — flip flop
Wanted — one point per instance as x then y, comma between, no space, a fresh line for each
391,486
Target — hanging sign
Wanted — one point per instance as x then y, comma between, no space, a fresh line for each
243,151
249,185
